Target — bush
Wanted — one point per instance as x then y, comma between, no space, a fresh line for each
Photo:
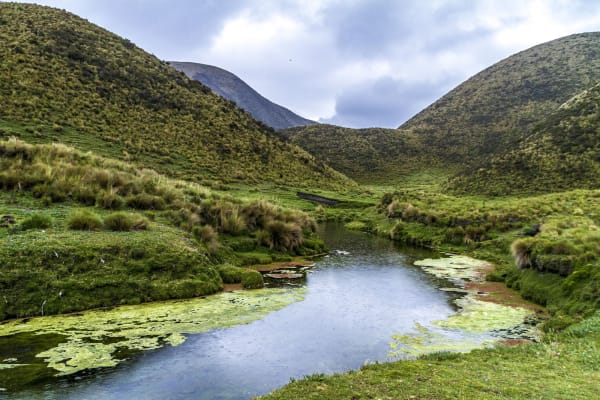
122,221
36,221
230,273
252,279
285,235
84,220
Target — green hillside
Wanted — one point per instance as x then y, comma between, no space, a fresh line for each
65,78
487,114
496,108
562,153
366,155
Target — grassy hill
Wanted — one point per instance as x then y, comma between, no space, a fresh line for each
499,106
62,76
486,115
231,87
367,155
562,153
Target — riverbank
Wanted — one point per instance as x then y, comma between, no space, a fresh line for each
543,247
565,366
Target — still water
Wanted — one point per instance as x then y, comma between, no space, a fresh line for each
358,297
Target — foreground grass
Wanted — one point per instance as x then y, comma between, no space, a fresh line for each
563,367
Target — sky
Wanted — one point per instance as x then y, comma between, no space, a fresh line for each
354,63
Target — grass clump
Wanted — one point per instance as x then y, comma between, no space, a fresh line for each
230,273
122,221
207,235
249,278
252,279
84,220
36,221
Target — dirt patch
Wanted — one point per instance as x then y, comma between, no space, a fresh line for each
232,287
499,293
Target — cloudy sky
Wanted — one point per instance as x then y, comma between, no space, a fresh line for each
356,63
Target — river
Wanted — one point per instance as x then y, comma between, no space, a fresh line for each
357,299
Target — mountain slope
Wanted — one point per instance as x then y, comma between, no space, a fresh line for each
562,153
492,110
60,71
484,116
229,86
370,155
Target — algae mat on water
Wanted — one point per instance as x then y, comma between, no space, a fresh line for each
476,324
92,338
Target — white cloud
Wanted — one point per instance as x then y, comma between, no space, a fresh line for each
320,57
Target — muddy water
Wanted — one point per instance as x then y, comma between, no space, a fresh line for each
358,301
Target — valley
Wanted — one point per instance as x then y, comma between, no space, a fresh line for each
132,194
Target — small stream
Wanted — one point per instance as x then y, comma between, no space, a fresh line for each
355,303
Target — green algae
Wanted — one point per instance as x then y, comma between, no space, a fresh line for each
92,338
479,323
454,268
426,341
478,316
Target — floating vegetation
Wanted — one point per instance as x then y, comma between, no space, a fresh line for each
427,341
481,323
478,316
92,338
454,268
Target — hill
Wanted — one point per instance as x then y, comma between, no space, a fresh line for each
486,115
66,78
499,106
562,153
231,87
370,155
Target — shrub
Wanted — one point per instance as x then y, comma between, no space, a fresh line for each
252,279
285,235
84,220
230,273
36,221
122,221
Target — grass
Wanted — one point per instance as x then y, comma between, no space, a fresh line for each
70,251
562,367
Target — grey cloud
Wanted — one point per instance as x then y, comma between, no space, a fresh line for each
165,28
389,102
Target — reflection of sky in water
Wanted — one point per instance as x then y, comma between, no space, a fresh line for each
354,306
